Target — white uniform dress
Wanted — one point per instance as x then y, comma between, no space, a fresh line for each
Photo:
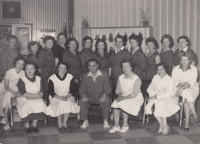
5,96
61,87
166,103
30,109
190,76
125,86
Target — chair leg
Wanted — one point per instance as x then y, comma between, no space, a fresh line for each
144,118
45,122
147,119
181,116
11,118
78,116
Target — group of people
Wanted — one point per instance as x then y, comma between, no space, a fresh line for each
58,71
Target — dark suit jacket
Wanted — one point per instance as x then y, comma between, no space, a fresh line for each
7,58
96,89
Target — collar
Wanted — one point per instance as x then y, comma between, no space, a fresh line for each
98,73
58,76
181,67
131,76
122,48
31,79
184,49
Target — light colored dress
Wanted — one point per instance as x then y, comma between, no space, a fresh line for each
190,76
166,103
5,96
125,86
30,109
61,88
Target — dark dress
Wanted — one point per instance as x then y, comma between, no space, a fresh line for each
86,54
151,70
178,53
46,62
167,58
104,62
73,63
58,52
32,58
116,59
139,59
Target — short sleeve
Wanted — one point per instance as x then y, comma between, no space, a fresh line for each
21,86
8,74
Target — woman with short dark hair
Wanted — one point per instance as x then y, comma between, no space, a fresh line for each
8,89
161,93
167,55
184,46
138,57
129,98
46,62
30,105
86,53
153,58
33,56
185,77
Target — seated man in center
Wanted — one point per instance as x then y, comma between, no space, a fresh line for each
95,88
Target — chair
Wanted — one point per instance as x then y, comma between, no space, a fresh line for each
179,117
14,114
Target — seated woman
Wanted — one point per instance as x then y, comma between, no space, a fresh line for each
30,104
185,77
62,102
8,89
129,98
162,94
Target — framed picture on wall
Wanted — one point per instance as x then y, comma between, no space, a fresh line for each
11,9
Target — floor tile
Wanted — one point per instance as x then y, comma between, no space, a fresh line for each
76,129
90,142
193,130
16,140
144,140
12,133
176,139
153,131
46,131
135,133
95,136
96,128
50,139
116,141
193,137
74,138
135,125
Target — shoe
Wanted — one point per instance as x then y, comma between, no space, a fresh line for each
124,129
166,130
84,125
160,130
114,129
197,120
186,129
28,130
4,121
35,129
106,125
61,129
6,127
67,129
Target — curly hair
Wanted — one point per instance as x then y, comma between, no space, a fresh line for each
169,37
32,43
130,63
46,38
85,39
136,38
103,41
72,39
187,40
153,40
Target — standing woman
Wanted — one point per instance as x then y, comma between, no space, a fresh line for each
72,59
62,102
138,57
60,48
30,105
46,62
86,53
185,77
184,46
167,55
102,56
117,56
33,56
8,89
153,58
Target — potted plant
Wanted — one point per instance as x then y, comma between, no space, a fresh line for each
85,23
144,17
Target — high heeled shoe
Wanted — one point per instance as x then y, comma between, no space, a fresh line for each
196,120
166,130
186,129
160,130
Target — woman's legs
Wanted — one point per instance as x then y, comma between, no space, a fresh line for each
6,110
34,124
116,113
187,114
125,119
59,121
192,109
65,119
160,122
